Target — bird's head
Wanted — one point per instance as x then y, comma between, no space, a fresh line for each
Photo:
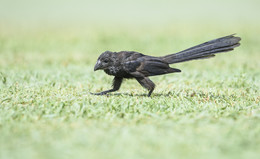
105,60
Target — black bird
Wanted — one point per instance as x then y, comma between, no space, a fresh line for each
131,64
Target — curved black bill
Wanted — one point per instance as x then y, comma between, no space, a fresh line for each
97,66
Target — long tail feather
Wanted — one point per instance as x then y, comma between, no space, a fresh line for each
205,50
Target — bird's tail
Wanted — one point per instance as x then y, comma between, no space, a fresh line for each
205,50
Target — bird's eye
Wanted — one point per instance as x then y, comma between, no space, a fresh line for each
106,60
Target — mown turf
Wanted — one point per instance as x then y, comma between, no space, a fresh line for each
210,110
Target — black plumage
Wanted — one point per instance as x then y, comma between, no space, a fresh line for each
131,64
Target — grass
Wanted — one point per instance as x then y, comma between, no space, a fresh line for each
210,110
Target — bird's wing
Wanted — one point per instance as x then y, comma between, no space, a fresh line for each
147,66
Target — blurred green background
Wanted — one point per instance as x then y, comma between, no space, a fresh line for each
136,13
80,30
47,53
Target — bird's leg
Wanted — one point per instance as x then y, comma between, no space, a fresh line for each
116,85
146,83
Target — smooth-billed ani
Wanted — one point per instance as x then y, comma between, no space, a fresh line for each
131,64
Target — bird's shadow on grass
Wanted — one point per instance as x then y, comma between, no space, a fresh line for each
139,95
190,94
135,95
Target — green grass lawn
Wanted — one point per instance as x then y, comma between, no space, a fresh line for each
210,110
